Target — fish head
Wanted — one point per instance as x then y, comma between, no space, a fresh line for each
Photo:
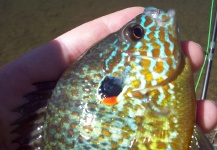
148,83
146,53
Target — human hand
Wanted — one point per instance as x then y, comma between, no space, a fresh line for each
46,63
206,109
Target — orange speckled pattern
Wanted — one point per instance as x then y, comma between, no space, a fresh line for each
132,90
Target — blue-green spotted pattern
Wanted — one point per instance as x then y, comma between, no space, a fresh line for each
154,107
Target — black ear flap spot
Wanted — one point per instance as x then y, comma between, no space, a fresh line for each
110,87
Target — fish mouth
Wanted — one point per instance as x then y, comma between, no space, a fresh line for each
161,18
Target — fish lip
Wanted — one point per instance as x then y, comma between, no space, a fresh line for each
157,14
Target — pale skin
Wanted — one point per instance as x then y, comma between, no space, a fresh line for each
47,62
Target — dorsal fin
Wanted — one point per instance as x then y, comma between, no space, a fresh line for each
200,141
29,126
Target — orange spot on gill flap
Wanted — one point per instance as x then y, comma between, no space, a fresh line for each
110,100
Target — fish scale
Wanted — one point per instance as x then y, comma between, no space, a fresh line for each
132,90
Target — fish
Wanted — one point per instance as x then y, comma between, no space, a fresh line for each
133,90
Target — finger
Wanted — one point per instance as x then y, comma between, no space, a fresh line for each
206,115
50,60
93,31
47,62
194,52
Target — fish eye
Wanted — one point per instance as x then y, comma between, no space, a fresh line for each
133,32
136,32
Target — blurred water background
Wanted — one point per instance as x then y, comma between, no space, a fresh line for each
25,25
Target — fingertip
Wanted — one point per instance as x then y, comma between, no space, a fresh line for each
121,17
194,52
79,39
206,115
